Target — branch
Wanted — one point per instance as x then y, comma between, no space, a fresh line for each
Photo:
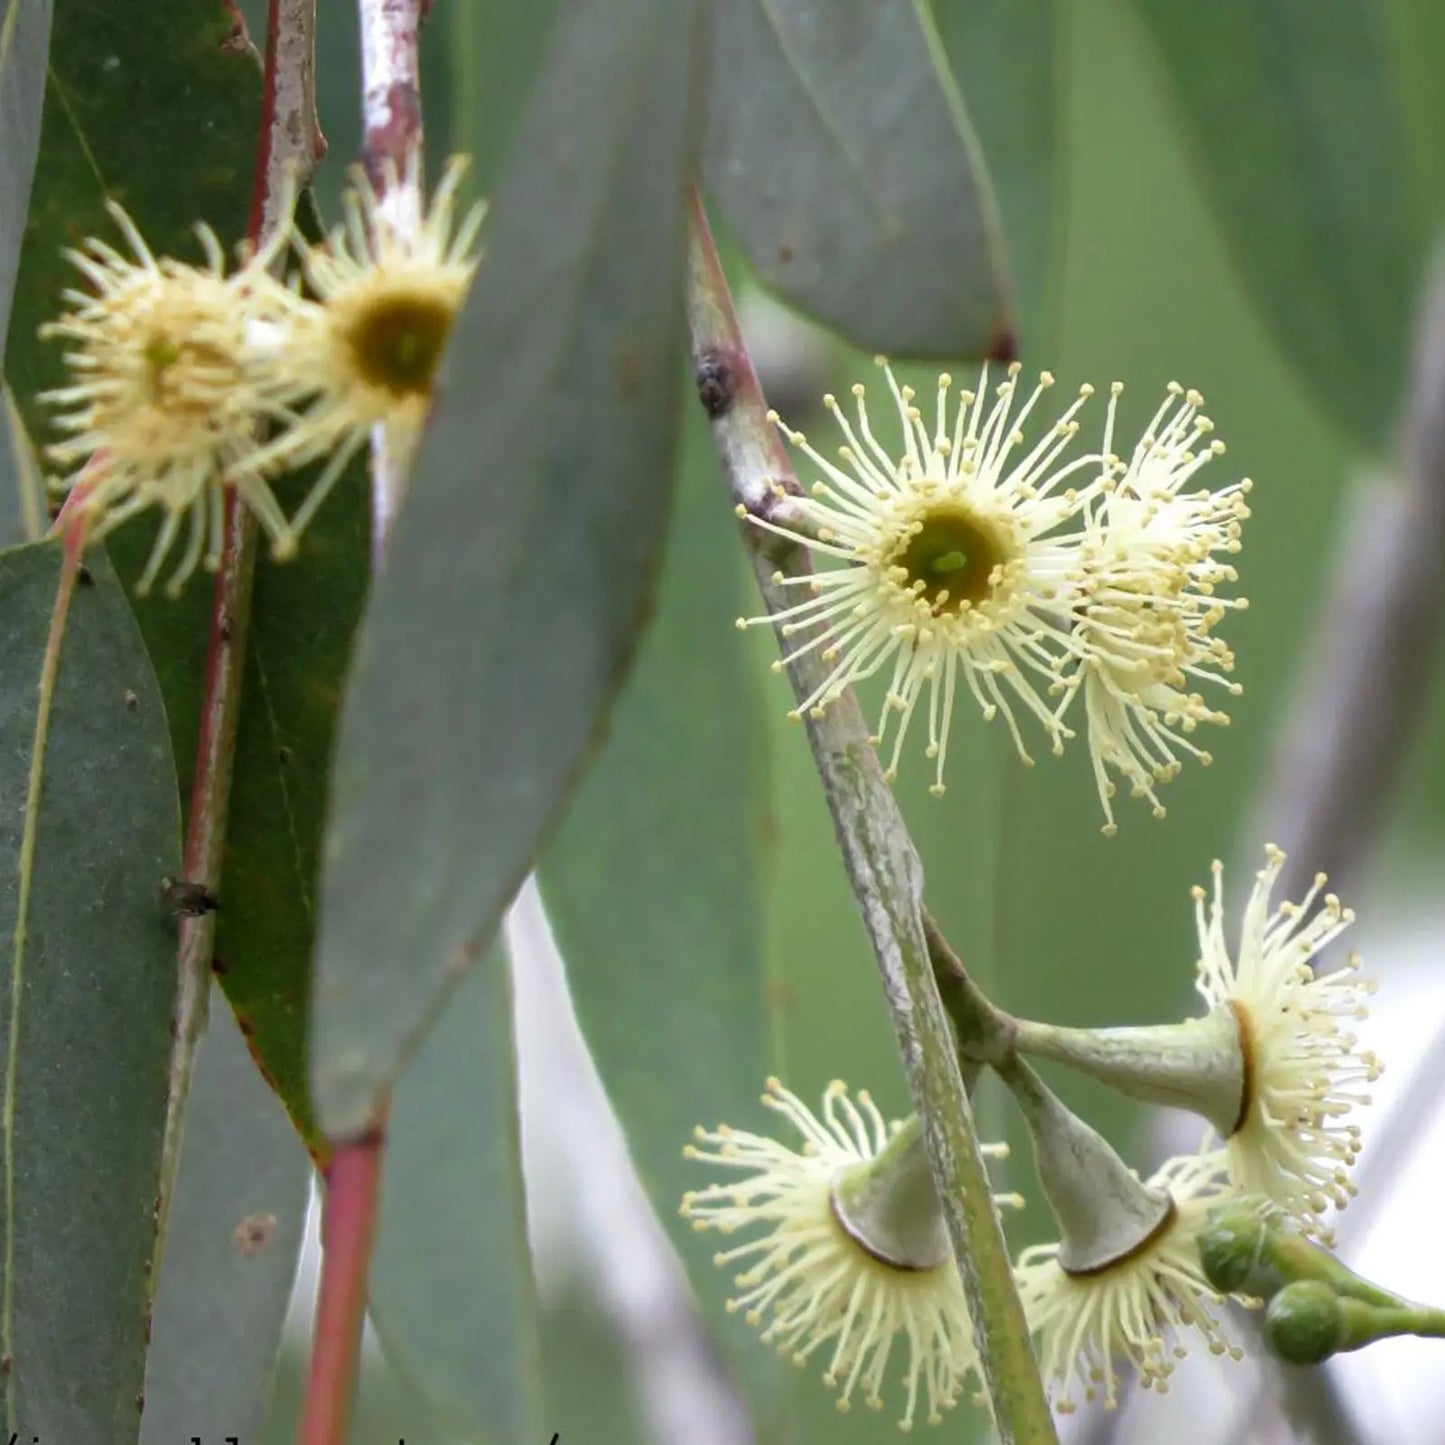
392,152
882,866
1347,734
289,109
290,132
986,1034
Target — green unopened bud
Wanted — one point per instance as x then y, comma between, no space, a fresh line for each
1231,1249
1250,1248
1304,1324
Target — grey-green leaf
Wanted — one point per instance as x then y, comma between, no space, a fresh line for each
452,1298
85,999
232,1241
517,579
657,885
1308,181
24,44
841,154
1006,56
22,503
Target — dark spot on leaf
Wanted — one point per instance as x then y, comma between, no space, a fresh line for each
83,577
283,754
629,373
254,1233
7,1363
1005,345
785,254
132,699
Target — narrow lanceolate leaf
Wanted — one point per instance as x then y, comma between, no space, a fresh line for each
452,1298
304,614
656,885
841,153
88,828
1006,56
231,1246
24,40
517,579
1308,179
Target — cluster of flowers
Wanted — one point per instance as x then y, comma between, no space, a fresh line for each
186,380
818,1279
1025,575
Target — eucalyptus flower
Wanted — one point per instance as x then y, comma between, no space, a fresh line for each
1304,1074
1145,636
365,345
1138,1307
850,1252
167,388
950,566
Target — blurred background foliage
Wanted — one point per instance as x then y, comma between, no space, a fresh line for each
1174,202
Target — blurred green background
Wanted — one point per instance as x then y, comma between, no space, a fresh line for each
1125,271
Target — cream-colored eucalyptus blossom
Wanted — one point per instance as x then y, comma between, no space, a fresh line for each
849,1254
1294,1139
365,344
948,563
168,387
1144,637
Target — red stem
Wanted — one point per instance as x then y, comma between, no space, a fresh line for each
391,149
353,1185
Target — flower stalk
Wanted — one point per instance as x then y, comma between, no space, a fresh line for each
1196,1065
880,860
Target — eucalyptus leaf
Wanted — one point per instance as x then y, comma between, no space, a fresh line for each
88,828
657,885
24,41
1007,58
452,1298
516,581
304,614
22,503
846,165
229,1263
1311,187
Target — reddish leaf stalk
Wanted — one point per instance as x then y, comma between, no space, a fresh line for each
353,1186
392,154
